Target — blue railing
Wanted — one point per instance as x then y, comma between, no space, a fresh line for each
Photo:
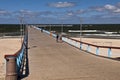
45,31
21,56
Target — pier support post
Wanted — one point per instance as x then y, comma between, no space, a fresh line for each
11,70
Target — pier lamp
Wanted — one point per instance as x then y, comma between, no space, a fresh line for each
61,26
50,27
80,29
21,27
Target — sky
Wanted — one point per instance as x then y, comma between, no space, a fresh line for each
60,11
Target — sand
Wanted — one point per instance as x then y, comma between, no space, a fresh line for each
103,42
7,46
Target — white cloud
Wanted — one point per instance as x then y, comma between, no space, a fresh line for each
80,11
97,8
26,13
110,7
4,13
117,11
62,4
70,14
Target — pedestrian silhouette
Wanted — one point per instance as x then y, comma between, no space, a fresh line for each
57,37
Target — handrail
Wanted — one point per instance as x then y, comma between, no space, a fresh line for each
70,41
18,58
94,44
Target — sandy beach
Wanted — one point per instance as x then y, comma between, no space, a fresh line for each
7,46
103,42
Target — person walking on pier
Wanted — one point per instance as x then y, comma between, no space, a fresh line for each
57,37
41,30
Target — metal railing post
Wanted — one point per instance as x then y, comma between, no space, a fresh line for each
97,50
109,52
11,70
88,48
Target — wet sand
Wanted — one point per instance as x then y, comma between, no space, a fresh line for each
103,42
7,46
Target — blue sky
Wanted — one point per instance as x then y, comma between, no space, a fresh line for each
60,11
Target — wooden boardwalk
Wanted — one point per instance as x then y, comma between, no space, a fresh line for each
49,60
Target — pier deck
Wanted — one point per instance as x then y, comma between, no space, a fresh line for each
49,60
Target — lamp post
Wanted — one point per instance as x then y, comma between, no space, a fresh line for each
62,27
21,27
50,28
80,29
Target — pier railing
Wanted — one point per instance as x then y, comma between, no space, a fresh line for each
45,31
86,46
17,63
89,46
